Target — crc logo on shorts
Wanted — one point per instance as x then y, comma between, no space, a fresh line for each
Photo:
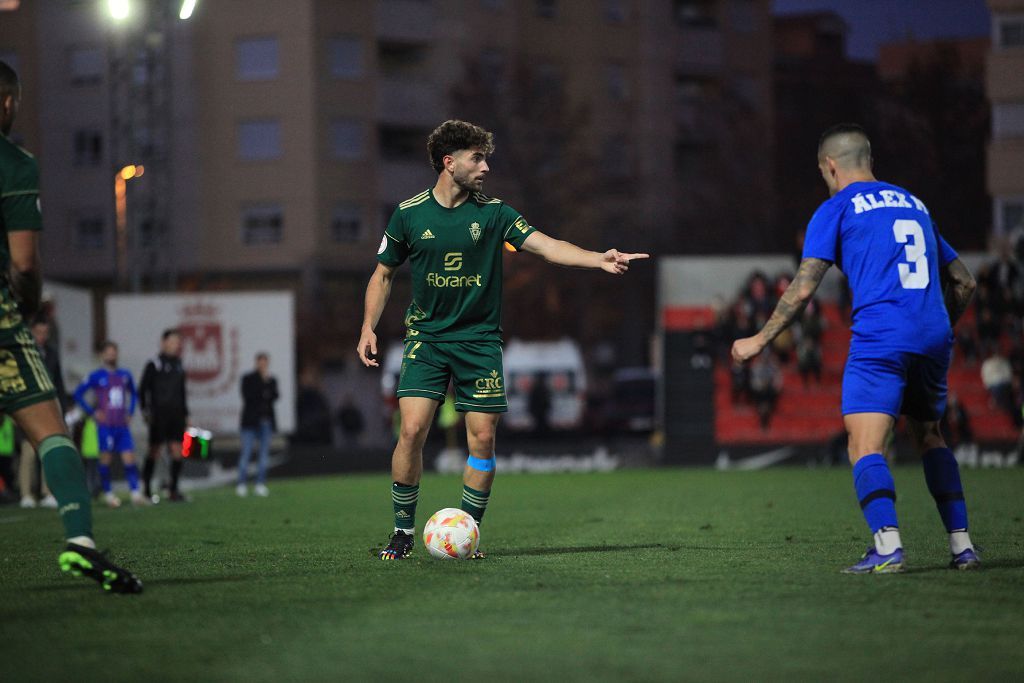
11,381
453,260
491,386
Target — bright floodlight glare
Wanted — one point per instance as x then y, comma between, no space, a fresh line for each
119,9
187,7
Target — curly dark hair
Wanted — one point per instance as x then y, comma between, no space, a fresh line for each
453,135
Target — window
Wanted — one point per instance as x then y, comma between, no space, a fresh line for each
695,13
617,82
548,9
743,16
616,11
1007,120
256,59
347,138
347,223
1009,214
90,231
149,234
617,157
747,90
401,59
86,66
88,147
1009,31
262,224
400,143
547,80
492,66
345,57
259,140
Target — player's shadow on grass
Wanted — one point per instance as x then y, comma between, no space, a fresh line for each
986,566
583,549
147,584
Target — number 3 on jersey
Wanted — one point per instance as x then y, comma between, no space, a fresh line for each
914,274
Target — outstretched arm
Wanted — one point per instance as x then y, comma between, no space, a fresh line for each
958,290
793,301
564,253
377,292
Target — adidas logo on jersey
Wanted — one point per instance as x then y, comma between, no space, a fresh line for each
427,235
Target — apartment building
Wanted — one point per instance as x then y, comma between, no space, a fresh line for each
1005,88
283,134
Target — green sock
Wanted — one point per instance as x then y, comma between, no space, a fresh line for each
475,502
404,498
65,475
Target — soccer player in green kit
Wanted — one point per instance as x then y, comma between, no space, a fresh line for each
453,235
26,391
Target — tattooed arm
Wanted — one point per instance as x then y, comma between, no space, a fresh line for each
958,290
793,301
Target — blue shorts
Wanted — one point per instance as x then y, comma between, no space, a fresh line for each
115,439
898,384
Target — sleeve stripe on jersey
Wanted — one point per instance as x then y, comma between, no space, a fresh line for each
484,199
19,193
509,229
414,201
393,239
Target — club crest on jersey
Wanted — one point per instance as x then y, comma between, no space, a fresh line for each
474,232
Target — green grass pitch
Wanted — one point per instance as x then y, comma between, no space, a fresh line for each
633,575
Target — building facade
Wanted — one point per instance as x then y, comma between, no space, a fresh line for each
1005,88
280,136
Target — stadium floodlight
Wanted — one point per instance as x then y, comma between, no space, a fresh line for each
187,8
119,9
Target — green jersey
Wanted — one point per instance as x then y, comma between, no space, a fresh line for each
19,210
456,260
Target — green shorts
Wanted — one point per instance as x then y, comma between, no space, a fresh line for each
24,380
474,369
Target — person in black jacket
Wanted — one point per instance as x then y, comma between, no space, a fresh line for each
164,406
259,391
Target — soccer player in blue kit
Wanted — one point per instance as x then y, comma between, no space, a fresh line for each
114,391
909,288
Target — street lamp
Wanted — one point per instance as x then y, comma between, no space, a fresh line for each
119,9
121,179
187,8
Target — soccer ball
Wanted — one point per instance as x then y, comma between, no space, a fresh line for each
451,534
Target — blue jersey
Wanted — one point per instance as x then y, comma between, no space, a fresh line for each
115,396
883,239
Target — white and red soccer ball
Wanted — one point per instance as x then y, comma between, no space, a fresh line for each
451,534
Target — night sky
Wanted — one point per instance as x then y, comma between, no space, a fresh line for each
873,22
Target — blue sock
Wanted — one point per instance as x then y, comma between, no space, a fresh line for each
943,476
876,491
105,477
131,473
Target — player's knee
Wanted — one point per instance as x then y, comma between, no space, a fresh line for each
482,436
413,431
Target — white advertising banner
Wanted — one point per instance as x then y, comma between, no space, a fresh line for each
222,333
72,307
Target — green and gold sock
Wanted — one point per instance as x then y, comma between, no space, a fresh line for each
475,502
404,499
65,475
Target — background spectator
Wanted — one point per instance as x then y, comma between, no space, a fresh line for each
259,393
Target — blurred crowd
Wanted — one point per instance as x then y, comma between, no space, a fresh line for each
760,383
